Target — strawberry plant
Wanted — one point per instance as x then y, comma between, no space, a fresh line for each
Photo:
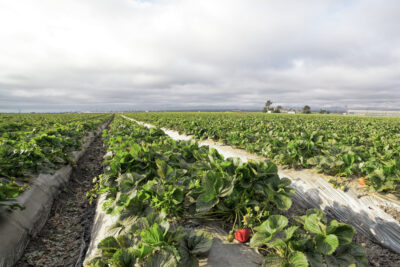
31,144
343,146
153,183
312,242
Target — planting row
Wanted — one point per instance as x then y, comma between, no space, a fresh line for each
14,123
31,144
362,147
154,184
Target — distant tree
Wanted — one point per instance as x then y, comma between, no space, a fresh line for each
324,111
306,109
277,109
267,106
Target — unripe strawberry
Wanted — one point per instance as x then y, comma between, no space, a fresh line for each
246,219
229,237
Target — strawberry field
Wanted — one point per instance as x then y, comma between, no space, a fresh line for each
341,146
155,193
154,183
38,143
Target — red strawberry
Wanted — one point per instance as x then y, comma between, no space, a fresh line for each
242,235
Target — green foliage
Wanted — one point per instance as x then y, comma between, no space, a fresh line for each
267,106
306,109
212,187
9,190
153,182
336,145
38,143
147,168
312,242
155,245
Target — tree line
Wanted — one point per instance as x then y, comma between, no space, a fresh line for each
306,109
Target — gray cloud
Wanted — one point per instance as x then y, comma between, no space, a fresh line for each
166,54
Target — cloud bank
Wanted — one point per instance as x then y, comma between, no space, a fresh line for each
170,54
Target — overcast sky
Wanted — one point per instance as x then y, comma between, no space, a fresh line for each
162,54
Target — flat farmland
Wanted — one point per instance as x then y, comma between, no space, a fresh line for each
365,148
160,200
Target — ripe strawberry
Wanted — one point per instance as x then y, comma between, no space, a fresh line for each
242,235
361,181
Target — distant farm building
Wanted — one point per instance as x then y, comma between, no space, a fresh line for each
374,112
290,111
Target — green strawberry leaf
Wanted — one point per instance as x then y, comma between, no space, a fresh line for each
326,244
152,236
273,260
298,259
313,225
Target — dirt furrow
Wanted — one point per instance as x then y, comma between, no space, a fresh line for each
66,234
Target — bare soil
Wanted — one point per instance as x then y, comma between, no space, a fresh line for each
377,255
64,239
395,214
